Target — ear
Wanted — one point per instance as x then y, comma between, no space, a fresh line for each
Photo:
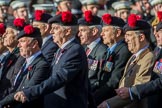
46,27
94,31
142,37
68,31
34,44
118,33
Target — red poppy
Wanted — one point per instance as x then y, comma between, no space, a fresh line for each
9,63
38,14
159,14
132,20
30,68
107,18
28,29
88,16
110,58
18,22
66,17
2,29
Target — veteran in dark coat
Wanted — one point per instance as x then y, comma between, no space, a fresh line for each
48,46
67,87
115,60
139,67
9,60
34,70
94,47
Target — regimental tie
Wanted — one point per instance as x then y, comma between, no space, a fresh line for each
88,51
22,72
58,55
130,65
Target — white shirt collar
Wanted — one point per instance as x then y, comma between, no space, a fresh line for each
31,58
94,43
141,50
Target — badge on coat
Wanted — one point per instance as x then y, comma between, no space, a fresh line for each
108,66
92,64
158,67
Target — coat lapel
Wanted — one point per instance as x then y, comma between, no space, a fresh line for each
32,66
47,43
64,50
129,65
94,51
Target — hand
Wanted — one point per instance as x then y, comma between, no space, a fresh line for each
102,105
123,92
20,96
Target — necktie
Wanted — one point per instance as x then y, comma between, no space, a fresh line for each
130,65
22,72
132,59
157,52
88,50
58,55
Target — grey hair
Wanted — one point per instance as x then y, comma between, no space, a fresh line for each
74,29
99,27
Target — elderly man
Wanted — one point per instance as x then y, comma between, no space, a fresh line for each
68,84
139,67
89,34
9,60
114,62
48,46
150,88
34,70
3,49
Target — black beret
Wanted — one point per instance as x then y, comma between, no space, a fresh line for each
134,23
89,19
65,18
17,24
41,16
33,32
29,31
107,19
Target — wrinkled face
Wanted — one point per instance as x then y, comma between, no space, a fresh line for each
25,45
10,37
123,13
93,9
58,33
133,41
85,35
158,36
64,6
108,35
22,13
39,25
